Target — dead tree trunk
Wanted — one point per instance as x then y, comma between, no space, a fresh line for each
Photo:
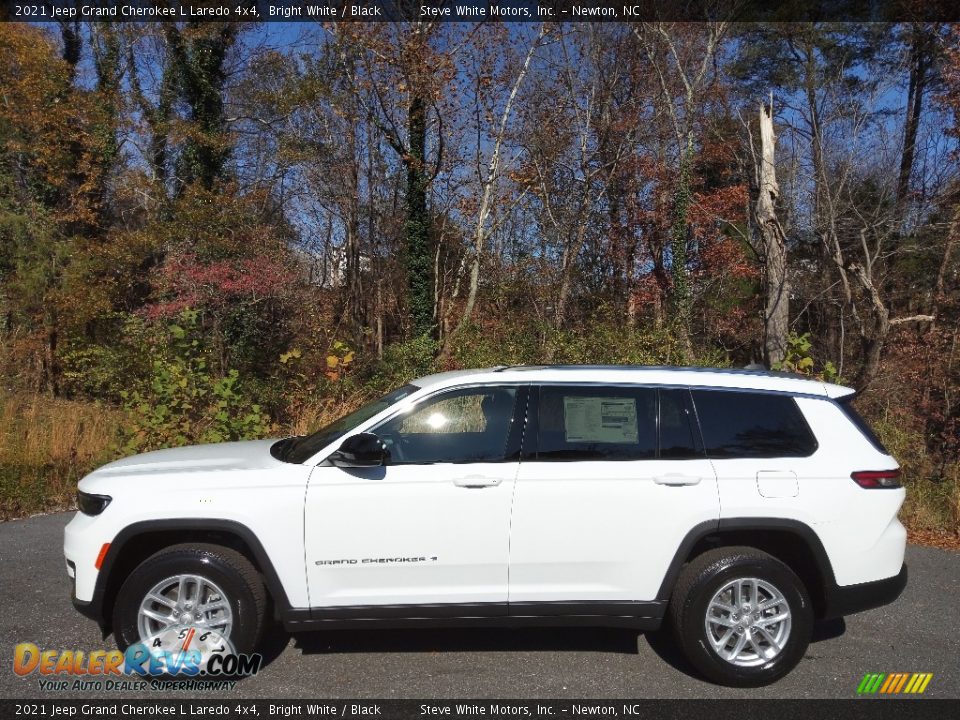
776,316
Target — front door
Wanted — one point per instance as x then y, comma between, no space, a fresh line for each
432,525
616,479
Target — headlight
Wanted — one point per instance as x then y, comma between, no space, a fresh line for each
90,504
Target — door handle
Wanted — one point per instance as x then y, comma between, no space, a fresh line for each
476,481
676,479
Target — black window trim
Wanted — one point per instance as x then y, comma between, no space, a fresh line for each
860,422
694,425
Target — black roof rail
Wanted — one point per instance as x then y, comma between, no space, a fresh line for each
753,369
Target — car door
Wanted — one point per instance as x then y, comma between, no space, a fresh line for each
432,525
612,479
763,452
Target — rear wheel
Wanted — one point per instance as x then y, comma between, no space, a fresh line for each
205,587
742,617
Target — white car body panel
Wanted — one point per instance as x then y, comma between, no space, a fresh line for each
547,531
855,526
580,531
402,513
238,482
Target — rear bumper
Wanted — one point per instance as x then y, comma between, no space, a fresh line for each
849,599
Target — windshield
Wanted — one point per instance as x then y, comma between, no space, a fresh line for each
302,448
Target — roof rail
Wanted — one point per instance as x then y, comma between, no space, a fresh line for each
752,369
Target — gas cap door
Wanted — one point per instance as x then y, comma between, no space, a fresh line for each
777,484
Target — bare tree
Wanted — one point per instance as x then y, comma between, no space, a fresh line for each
489,179
679,53
773,242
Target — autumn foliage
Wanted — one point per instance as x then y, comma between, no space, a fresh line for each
217,232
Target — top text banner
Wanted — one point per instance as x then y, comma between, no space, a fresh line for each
479,10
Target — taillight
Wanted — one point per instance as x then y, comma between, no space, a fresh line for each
873,479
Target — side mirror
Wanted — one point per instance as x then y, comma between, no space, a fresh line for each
363,450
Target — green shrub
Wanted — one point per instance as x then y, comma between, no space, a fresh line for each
104,370
401,362
799,359
605,343
933,487
183,402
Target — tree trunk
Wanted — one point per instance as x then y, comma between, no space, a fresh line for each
776,321
353,310
920,63
680,300
418,259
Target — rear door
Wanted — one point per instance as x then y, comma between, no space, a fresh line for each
763,452
612,479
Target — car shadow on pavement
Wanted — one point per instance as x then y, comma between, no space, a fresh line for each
468,640
600,640
665,647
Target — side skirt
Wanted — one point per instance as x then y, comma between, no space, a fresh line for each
625,614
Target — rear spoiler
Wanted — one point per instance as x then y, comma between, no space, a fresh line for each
836,392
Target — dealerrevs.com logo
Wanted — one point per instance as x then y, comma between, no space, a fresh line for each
180,654
894,683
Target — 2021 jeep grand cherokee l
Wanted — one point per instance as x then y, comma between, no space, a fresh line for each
737,506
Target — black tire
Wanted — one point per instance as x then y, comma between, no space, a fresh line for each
230,570
696,586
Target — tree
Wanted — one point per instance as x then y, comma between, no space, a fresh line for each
198,53
50,172
490,176
776,319
690,58
399,77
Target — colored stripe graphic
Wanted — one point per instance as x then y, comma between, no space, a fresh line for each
894,683
870,683
903,680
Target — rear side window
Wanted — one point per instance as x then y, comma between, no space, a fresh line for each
846,404
752,425
602,423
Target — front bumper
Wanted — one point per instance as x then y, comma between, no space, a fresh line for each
92,609
844,600
82,543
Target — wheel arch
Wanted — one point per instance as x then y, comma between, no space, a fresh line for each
138,541
790,541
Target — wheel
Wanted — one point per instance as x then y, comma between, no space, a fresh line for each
207,587
741,617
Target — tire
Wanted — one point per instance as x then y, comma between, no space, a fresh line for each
222,568
717,574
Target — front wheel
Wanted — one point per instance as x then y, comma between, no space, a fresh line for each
208,588
742,617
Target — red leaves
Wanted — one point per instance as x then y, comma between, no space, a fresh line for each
187,282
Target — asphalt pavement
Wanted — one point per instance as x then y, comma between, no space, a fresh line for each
919,633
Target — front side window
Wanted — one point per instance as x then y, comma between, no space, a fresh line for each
301,448
752,425
469,425
602,423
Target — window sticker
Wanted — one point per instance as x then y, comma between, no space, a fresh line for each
600,420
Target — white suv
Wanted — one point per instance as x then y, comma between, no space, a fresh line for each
737,506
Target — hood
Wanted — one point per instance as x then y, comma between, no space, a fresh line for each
231,456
